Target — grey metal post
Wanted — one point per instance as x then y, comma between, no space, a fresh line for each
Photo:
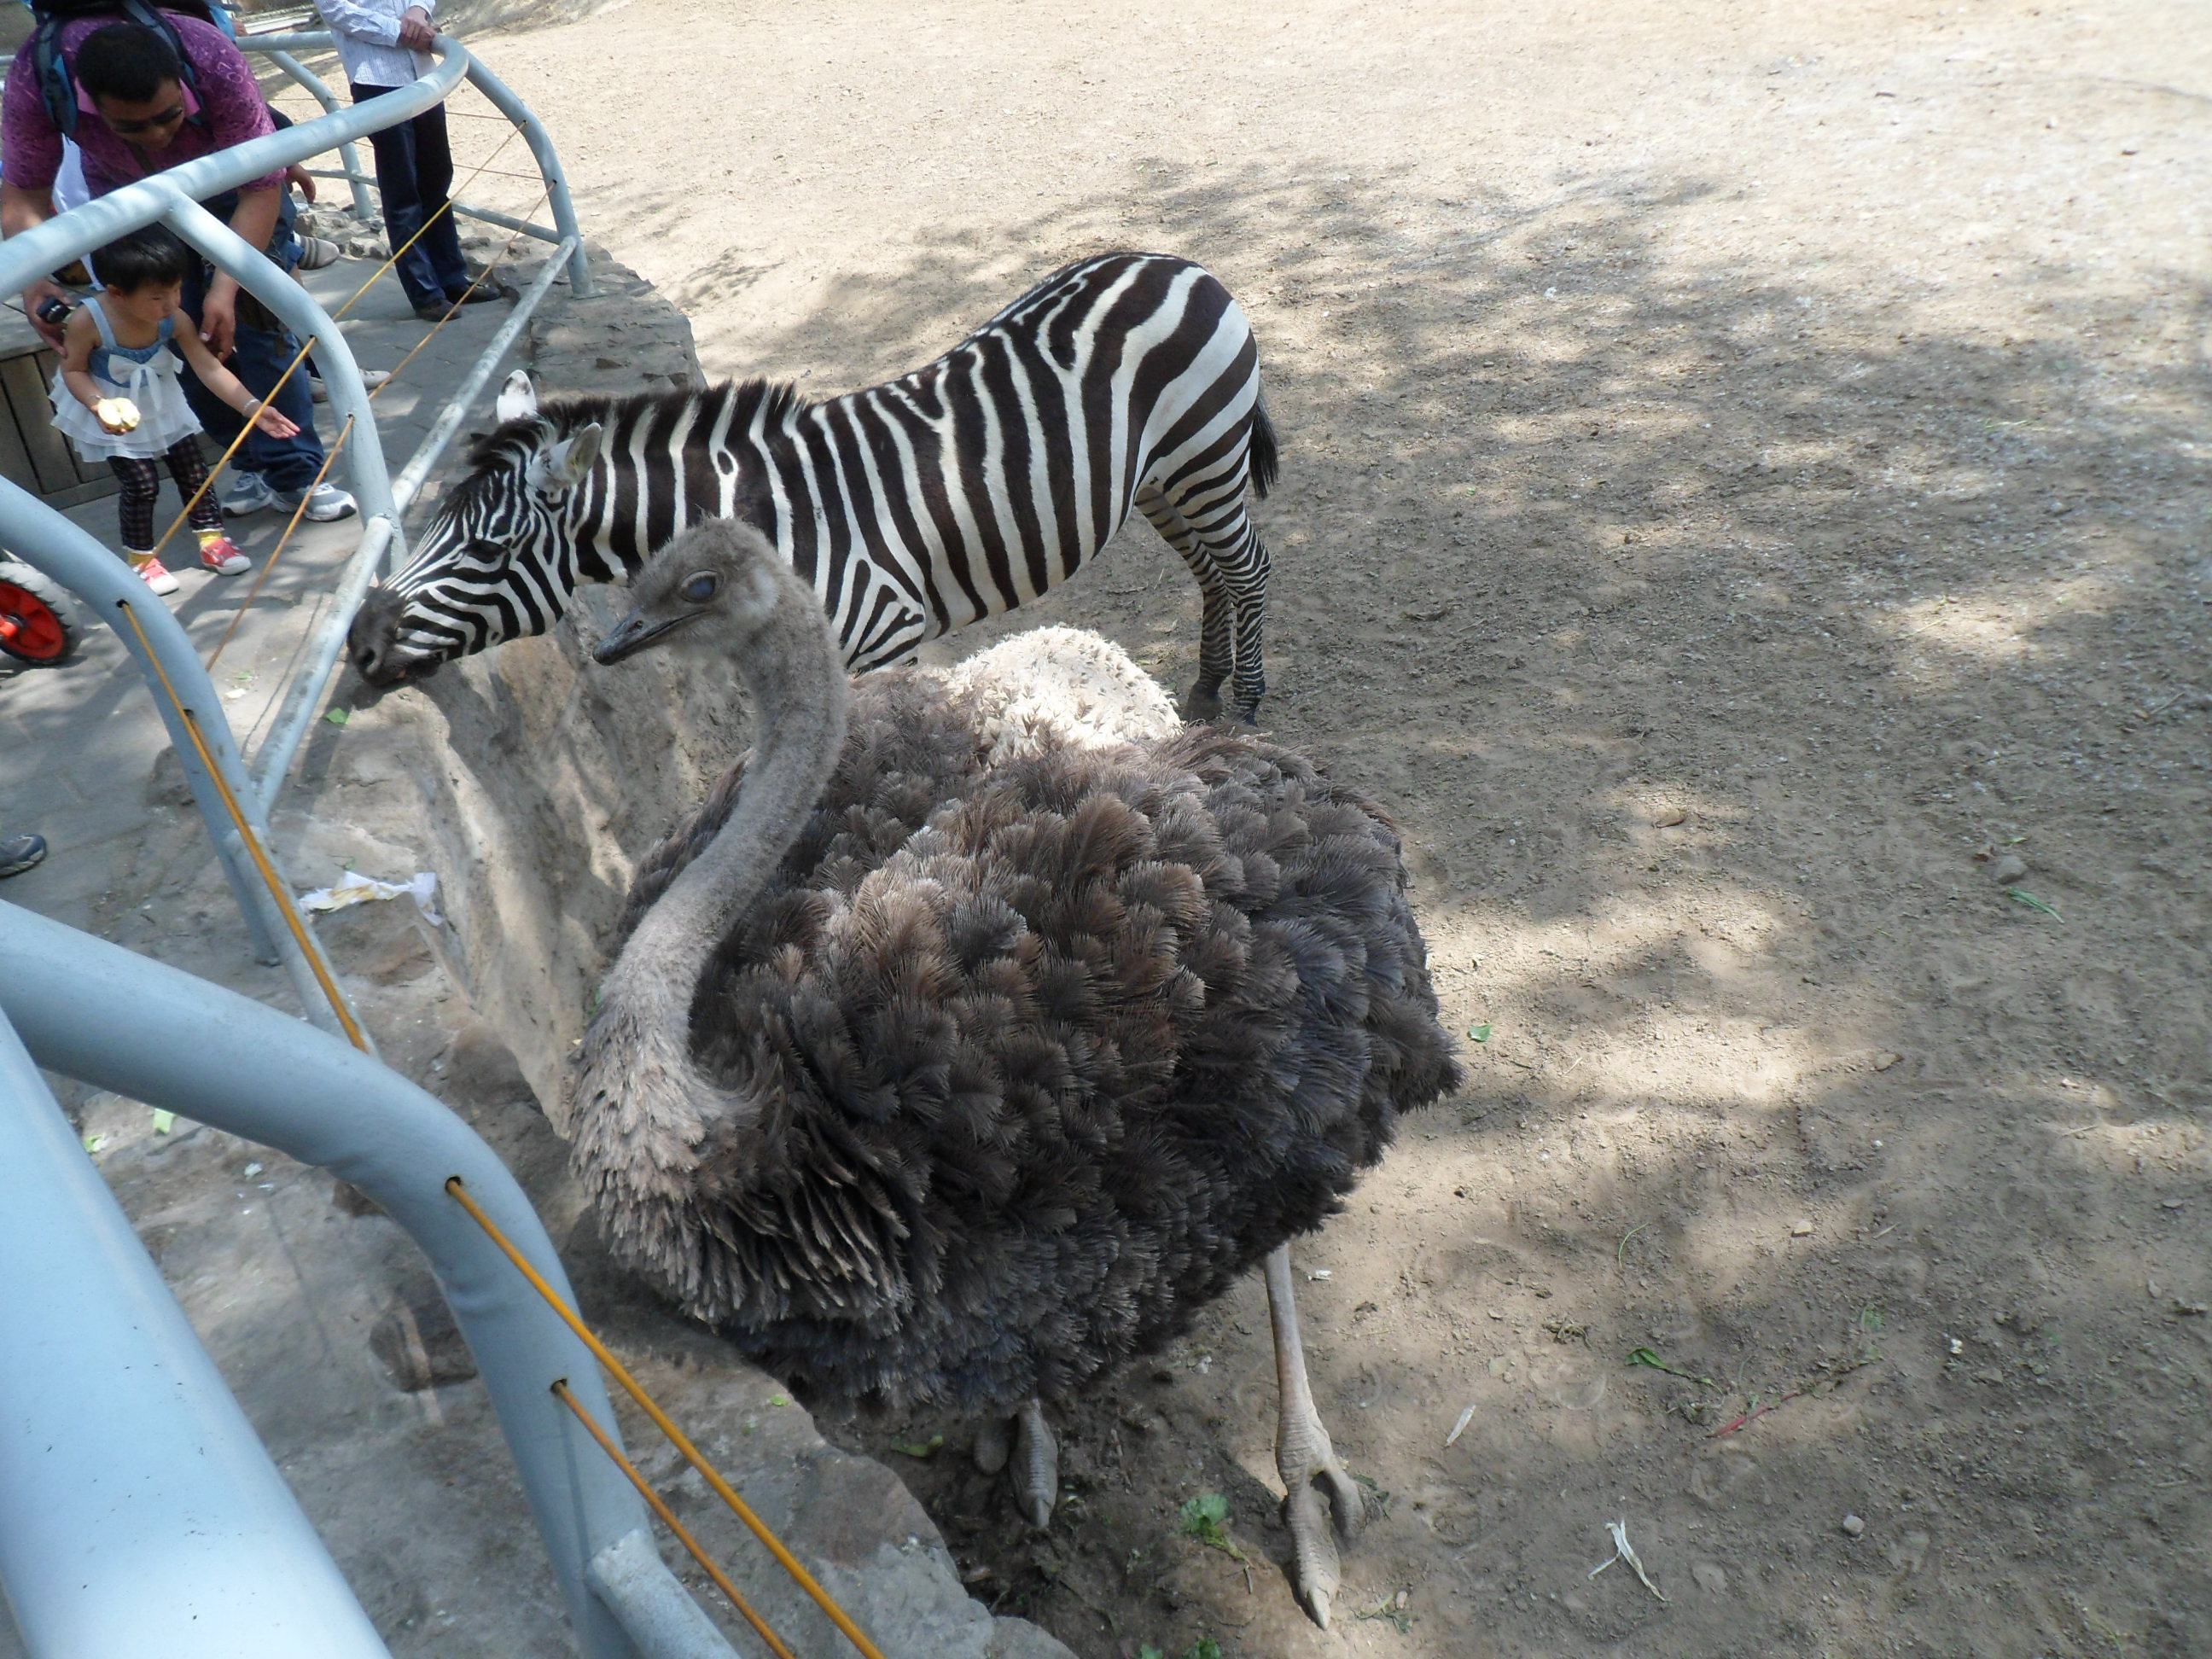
349,156
549,163
207,1053
139,1512
47,542
297,714
302,313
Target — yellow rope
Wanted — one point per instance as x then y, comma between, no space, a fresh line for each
662,1420
278,889
275,552
668,1516
208,482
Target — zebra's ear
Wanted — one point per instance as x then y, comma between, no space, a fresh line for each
517,398
564,466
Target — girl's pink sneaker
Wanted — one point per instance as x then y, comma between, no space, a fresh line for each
221,556
156,573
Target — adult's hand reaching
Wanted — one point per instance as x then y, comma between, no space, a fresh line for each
414,31
219,319
36,295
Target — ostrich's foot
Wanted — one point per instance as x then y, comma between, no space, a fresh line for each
1306,1459
1202,704
1037,1465
995,1441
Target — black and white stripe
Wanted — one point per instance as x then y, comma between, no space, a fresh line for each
962,490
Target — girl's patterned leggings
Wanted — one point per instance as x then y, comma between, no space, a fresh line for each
142,486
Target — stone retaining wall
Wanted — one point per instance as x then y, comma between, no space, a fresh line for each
536,779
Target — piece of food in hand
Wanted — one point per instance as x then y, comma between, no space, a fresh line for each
117,413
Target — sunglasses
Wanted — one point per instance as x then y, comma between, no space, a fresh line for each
167,117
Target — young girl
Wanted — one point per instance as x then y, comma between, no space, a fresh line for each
116,395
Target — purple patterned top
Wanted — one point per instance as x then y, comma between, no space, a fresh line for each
30,149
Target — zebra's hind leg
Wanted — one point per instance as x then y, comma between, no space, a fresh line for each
1216,647
1211,512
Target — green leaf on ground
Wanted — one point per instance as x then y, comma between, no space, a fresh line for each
163,1121
1479,1033
337,717
1646,1358
2033,902
920,1447
1205,1518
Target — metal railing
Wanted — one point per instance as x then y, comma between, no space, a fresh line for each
235,803
139,1513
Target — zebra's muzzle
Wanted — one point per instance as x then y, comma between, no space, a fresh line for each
373,643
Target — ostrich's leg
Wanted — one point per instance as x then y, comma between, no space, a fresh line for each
1036,1464
1303,1455
993,1442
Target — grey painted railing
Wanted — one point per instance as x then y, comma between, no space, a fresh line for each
136,1504
45,539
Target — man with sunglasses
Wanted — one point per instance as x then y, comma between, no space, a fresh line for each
138,116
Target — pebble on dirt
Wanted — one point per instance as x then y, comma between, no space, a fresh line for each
1853,1526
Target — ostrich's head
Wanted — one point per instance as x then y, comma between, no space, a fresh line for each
719,588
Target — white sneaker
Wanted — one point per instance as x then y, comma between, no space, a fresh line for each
370,378
328,502
245,492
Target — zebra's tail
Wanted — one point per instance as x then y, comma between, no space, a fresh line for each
1261,452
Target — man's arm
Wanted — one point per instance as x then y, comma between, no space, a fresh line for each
31,151
23,210
255,221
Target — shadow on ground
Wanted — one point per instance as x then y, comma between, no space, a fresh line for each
1718,641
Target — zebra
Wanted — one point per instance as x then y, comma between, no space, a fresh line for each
955,492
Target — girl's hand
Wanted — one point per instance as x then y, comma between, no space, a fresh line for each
273,422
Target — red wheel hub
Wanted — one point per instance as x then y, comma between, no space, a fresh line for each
31,631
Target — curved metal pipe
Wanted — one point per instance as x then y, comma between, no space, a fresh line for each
207,1053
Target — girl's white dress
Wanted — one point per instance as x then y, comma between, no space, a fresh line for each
147,375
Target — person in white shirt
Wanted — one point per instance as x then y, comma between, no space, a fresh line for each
385,44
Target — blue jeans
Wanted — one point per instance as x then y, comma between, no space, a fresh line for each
413,173
260,356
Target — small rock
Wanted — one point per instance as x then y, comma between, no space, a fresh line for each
1883,1062
1671,816
1853,1526
2010,868
1497,1313
1800,1229
1709,1578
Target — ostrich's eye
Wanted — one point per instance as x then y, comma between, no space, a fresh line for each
701,587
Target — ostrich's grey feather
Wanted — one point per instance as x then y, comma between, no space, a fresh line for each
1056,1050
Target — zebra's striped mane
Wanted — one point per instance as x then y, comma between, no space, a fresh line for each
769,401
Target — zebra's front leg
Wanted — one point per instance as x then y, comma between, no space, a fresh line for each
1215,642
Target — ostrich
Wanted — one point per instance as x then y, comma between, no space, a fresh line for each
943,1069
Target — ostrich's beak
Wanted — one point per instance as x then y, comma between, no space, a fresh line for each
634,633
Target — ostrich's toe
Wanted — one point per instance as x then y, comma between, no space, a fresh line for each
1037,1465
995,1442
1321,1504
1201,704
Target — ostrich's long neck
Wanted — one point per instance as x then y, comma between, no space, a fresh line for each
642,1104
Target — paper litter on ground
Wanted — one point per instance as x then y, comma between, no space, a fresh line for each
360,889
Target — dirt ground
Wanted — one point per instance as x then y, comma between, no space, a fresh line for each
1742,508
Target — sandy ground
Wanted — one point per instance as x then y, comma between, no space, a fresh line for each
1742,507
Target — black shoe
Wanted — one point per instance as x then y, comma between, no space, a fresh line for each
435,313
481,293
20,853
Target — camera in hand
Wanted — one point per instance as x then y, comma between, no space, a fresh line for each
53,311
